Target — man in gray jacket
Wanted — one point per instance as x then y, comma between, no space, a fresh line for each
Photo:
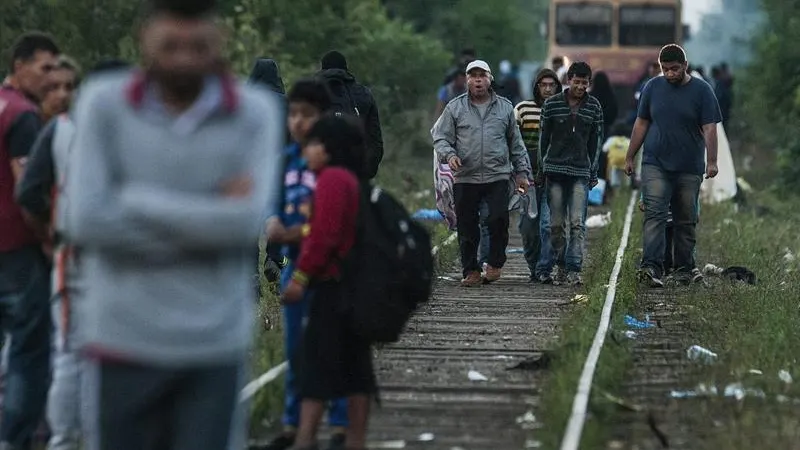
477,135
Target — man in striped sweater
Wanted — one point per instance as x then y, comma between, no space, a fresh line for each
569,146
536,232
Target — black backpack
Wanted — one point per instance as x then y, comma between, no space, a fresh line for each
389,271
341,99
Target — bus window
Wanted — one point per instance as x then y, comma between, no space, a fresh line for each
646,26
583,24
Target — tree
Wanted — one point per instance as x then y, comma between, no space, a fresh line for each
769,88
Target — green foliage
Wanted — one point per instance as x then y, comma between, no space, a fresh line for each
500,29
769,89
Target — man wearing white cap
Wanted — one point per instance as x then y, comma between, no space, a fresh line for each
477,135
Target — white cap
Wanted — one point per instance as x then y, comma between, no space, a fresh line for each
478,64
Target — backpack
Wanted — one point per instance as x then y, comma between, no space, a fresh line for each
341,98
389,271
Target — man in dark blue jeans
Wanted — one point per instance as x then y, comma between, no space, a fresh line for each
569,148
677,122
24,268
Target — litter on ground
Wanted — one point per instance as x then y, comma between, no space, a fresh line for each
635,323
476,376
598,220
697,353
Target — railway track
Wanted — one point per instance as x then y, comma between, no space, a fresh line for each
428,399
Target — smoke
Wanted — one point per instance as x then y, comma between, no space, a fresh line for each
721,30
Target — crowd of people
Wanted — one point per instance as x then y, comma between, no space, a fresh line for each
128,220
132,198
558,145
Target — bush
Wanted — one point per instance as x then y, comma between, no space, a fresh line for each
769,89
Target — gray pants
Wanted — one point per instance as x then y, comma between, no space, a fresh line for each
63,402
133,407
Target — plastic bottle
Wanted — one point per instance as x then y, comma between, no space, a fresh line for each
529,204
697,353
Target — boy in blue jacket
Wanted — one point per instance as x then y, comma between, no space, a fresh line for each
308,100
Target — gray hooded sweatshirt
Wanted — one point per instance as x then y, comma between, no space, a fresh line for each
165,256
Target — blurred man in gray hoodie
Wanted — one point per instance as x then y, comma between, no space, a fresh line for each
173,168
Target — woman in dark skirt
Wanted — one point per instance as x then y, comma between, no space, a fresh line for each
332,361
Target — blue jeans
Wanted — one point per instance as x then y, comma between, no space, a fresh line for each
536,238
25,317
568,197
660,190
293,316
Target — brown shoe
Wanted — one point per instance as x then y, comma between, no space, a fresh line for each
493,274
472,280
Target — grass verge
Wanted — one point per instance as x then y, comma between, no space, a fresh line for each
412,183
751,327
577,333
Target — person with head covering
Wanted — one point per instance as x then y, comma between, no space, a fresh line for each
353,98
477,135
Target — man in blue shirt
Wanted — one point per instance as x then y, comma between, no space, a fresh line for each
677,122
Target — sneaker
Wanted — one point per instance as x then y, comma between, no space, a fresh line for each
283,442
559,276
472,280
649,276
337,442
493,274
545,279
574,279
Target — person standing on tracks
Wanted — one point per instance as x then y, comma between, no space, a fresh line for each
39,193
333,361
451,90
353,98
24,266
570,145
308,101
536,232
477,135
677,123
164,211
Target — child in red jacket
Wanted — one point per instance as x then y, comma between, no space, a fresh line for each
332,361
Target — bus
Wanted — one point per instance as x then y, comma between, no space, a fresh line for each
618,37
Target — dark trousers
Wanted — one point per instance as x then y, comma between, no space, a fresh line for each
132,407
468,201
25,316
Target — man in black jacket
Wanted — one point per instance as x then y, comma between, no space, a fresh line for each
351,97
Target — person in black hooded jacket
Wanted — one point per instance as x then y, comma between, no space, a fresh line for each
352,97
267,74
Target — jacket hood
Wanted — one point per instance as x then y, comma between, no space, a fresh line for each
337,74
545,73
266,73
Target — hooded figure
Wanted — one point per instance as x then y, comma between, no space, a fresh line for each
267,74
351,97
544,73
535,230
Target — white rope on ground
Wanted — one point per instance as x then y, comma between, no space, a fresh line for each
572,436
256,385
450,239
273,373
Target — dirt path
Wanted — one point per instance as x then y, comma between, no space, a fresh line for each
428,399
